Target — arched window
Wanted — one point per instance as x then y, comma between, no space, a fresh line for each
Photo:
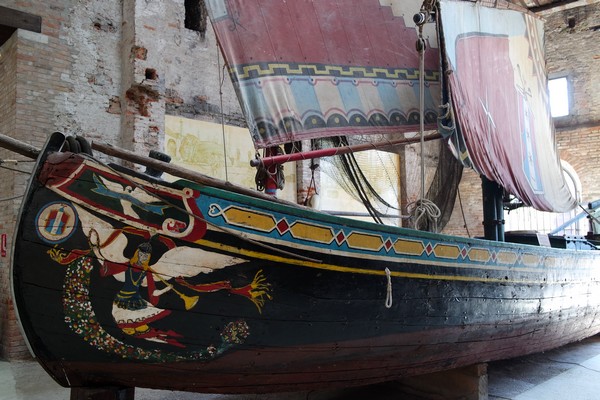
569,223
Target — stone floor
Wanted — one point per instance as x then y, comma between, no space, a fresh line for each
569,373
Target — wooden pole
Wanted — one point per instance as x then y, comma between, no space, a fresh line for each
334,151
18,147
32,152
177,171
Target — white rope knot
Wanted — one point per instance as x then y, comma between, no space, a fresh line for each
388,297
424,210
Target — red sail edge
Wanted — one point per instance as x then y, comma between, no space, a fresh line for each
498,89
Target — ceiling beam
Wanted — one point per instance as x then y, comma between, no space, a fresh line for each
561,5
11,20
20,20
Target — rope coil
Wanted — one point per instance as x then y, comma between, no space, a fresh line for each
388,297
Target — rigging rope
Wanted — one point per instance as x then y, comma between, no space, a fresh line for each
271,174
423,207
311,191
13,169
463,212
354,181
11,198
222,81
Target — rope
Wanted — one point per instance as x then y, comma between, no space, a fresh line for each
446,130
312,186
11,198
263,175
423,208
388,297
421,48
463,212
222,81
14,169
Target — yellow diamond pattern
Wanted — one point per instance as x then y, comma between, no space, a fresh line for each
412,247
364,241
507,257
314,233
249,219
446,251
479,255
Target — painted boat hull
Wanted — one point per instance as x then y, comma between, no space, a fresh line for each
260,295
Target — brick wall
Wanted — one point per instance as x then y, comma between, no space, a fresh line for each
169,69
579,147
578,134
8,81
107,71
40,65
467,216
575,53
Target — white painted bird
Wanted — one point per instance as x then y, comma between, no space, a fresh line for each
128,196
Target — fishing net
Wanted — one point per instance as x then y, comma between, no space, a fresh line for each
363,177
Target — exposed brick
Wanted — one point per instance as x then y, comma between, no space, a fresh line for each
139,53
114,105
140,96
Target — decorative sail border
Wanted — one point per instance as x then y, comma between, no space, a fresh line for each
351,67
497,86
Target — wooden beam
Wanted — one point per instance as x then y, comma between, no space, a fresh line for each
20,20
18,146
555,6
102,393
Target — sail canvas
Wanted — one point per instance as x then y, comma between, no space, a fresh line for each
306,69
498,89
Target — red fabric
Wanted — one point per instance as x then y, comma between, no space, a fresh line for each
151,288
205,287
499,96
72,256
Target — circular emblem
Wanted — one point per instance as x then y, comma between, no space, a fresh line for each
56,222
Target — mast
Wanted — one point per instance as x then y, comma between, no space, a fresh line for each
493,210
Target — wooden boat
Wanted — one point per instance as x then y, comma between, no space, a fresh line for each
123,279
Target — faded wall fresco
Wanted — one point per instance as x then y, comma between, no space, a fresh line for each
198,145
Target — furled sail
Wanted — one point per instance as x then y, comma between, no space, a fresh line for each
321,68
496,84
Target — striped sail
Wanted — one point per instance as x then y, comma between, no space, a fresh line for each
307,69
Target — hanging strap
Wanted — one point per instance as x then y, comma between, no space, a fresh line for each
388,297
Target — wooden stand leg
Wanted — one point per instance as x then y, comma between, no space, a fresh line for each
103,393
468,383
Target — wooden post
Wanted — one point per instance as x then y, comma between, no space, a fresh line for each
466,383
493,212
103,393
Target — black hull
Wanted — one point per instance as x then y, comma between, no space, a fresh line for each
267,296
